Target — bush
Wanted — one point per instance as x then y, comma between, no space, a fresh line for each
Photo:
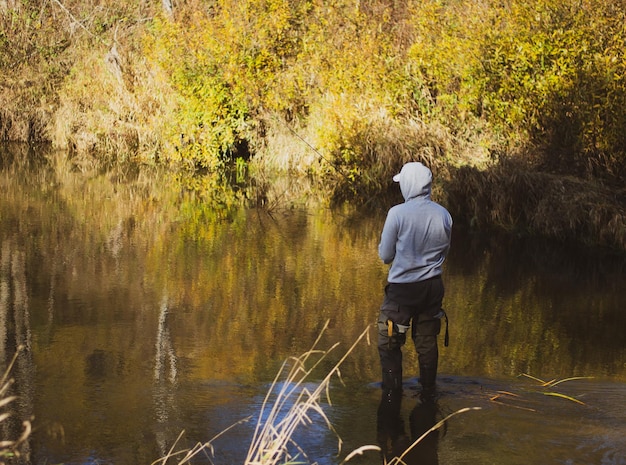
547,74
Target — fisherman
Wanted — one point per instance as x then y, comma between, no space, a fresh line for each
415,240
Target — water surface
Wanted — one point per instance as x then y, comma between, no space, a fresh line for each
142,316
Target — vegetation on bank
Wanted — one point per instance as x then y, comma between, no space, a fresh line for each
518,107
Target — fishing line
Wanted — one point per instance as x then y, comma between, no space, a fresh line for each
308,144
351,182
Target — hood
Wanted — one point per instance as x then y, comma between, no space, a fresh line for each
415,180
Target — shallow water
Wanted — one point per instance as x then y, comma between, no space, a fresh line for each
141,320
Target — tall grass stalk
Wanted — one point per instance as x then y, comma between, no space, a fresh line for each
399,459
275,428
279,418
554,382
10,447
289,404
188,454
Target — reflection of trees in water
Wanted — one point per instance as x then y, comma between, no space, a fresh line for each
533,306
165,378
52,292
165,355
15,334
5,274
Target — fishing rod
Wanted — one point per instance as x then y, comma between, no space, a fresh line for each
308,144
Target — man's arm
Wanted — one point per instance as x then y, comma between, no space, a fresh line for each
387,245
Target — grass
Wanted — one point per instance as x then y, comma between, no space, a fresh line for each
514,197
552,383
291,402
287,405
514,400
9,448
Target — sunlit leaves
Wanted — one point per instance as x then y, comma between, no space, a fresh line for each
547,72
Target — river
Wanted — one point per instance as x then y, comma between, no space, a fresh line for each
150,324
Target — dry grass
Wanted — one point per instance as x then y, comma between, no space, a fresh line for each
523,402
289,404
513,197
292,405
113,107
10,448
362,145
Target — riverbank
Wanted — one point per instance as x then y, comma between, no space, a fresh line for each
275,103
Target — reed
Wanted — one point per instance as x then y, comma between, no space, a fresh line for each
289,404
523,402
10,448
292,406
554,382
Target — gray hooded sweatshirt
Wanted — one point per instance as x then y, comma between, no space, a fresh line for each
416,235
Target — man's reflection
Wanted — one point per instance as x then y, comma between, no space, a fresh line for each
396,445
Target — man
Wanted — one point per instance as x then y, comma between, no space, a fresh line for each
415,240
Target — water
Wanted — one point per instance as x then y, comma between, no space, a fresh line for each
142,318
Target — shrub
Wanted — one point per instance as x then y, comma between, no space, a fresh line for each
546,73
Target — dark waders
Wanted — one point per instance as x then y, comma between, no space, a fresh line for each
415,307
